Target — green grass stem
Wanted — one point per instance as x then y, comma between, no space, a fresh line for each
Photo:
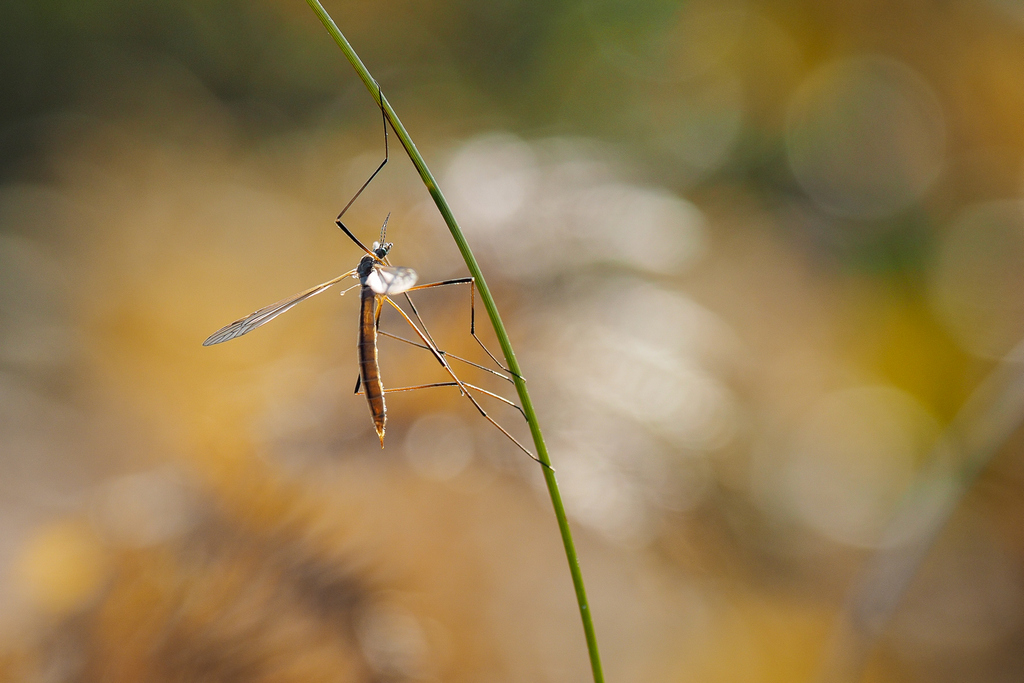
499,328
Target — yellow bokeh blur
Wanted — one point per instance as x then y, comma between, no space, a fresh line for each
61,567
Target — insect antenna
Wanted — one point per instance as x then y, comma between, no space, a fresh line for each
381,248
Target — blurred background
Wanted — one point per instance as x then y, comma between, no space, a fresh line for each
762,262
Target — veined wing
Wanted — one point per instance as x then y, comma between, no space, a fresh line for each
390,280
265,315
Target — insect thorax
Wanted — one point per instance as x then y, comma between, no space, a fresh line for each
365,267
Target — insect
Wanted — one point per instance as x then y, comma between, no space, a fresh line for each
378,282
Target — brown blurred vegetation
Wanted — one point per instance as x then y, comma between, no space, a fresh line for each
754,256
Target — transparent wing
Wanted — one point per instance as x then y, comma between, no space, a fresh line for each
389,280
265,315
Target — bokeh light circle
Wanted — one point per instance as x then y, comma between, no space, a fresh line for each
852,458
865,137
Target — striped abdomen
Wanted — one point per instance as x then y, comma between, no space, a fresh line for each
369,371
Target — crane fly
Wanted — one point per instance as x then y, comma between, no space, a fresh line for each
378,282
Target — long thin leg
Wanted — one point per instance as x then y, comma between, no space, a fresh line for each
472,314
462,385
355,239
445,354
451,384
416,312
420,319
373,175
